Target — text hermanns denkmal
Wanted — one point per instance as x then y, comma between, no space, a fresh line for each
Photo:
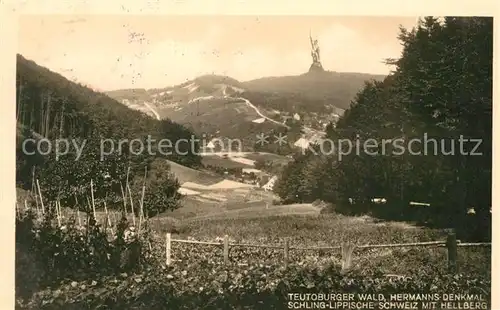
386,301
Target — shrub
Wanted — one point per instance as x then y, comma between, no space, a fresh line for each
47,253
229,287
277,202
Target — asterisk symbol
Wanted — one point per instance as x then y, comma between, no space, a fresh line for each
262,139
280,139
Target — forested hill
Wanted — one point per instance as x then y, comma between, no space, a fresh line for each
308,91
53,106
442,89
49,106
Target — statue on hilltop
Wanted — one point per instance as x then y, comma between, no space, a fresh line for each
316,65
314,49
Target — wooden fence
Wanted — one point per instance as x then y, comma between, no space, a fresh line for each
451,243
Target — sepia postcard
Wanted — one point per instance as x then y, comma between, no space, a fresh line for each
252,161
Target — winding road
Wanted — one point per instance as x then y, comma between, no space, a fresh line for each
152,110
260,114
247,102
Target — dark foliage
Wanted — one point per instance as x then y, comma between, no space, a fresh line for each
49,107
441,89
254,288
47,253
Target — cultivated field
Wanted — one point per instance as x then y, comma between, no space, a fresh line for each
309,230
186,174
225,162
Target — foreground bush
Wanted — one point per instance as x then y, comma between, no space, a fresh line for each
48,253
253,287
89,268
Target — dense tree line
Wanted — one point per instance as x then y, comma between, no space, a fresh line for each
51,107
441,89
311,92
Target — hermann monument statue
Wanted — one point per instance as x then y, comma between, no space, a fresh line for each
316,65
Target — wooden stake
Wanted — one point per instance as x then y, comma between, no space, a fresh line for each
144,190
141,213
92,194
76,200
347,250
124,196
126,183
79,219
89,204
131,204
168,249
286,252
33,189
142,200
37,207
451,245
226,249
41,198
107,217
58,213
128,172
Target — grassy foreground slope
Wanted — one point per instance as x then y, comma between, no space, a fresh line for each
213,104
198,278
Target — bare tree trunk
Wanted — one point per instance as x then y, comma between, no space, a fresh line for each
47,119
32,117
41,129
61,124
19,101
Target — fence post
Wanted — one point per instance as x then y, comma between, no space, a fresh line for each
168,249
226,249
347,250
286,252
451,245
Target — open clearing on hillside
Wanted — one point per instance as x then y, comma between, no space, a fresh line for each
224,117
224,184
241,159
225,162
309,227
211,201
275,158
262,211
185,174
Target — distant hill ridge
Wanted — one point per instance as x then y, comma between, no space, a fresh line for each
221,106
340,87
51,105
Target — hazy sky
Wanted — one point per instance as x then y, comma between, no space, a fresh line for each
117,51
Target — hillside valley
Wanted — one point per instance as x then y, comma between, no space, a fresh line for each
122,224
220,106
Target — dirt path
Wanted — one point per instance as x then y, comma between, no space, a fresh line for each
152,110
260,114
